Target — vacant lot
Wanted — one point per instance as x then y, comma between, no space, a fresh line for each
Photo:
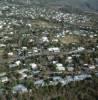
43,24
69,39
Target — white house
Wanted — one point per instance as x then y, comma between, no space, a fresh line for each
69,59
10,54
35,50
24,48
81,49
4,79
2,45
70,69
91,67
45,39
33,66
18,63
54,49
60,67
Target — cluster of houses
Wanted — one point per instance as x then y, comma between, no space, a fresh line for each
38,54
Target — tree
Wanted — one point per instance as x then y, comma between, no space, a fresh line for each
5,55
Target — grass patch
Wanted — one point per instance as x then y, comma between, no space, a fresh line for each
68,39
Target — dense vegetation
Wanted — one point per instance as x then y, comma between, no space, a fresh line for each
80,90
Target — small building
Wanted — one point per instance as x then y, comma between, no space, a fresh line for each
12,65
33,66
70,69
22,70
24,48
60,67
92,67
54,49
2,45
39,82
35,50
10,54
69,59
44,39
19,89
4,79
18,63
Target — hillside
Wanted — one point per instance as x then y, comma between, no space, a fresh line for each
89,5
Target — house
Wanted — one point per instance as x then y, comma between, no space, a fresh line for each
53,83
35,72
85,65
24,48
39,82
80,49
60,67
23,76
69,59
4,79
54,49
2,45
57,78
2,74
54,62
31,40
35,50
33,66
69,79
22,70
19,89
44,39
18,63
6,37
12,65
51,57
91,36
81,77
70,69
11,33
1,26
10,54
92,67
96,62
55,40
